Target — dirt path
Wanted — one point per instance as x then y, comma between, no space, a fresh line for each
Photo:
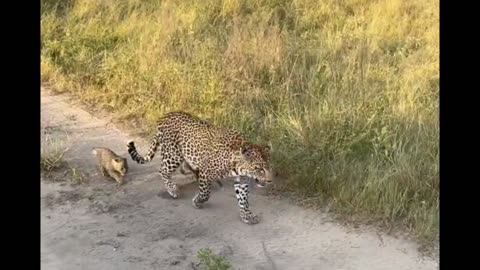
93,225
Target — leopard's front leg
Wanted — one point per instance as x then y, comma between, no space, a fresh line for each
241,192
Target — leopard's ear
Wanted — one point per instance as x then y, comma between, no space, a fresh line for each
268,147
246,150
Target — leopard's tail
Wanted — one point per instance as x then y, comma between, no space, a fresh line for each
132,150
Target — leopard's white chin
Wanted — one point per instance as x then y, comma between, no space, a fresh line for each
259,184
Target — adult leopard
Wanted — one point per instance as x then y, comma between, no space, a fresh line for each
212,153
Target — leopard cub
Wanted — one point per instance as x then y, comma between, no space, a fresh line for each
110,164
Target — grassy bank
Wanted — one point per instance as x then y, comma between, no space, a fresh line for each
346,91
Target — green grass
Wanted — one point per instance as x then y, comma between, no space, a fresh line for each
346,91
210,261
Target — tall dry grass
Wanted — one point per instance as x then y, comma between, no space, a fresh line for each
346,90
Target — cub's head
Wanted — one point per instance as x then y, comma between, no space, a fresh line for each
120,165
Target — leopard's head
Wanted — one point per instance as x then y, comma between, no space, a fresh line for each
254,162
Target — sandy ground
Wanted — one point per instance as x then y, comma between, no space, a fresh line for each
91,224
